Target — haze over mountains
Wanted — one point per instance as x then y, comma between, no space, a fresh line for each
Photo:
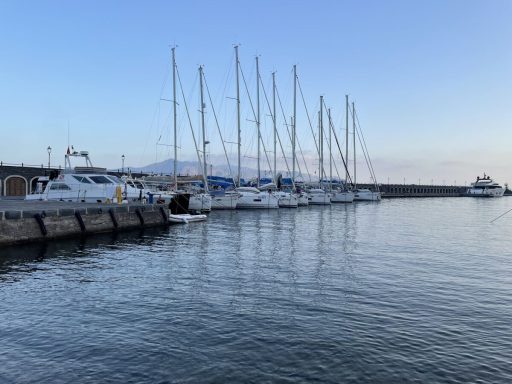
185,168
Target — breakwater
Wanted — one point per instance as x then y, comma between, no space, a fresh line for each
28,221
417,190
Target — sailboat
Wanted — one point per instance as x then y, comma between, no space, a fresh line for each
197,202
318,196
287,198
337,188
362,194
250,197
219,196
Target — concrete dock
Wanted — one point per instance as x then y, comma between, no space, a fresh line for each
29,221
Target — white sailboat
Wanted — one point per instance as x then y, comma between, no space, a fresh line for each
250,197
318,196
199,202
362,194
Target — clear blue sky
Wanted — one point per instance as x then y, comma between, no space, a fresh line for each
432,80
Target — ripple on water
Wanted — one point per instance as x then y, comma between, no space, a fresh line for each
402,291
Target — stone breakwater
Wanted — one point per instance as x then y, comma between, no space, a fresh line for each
26,221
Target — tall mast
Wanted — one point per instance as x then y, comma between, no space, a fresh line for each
321,140
258,115
354,128
275,123
330,150
175,115
346,137
238,111
205,171
294,120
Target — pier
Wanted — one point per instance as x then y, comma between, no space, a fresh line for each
417,190
30,221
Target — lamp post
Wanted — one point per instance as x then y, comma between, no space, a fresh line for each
122,167
49,149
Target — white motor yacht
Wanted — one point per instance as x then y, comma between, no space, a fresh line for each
251,197
485,187
87,184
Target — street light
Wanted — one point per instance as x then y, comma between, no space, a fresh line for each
122,168
49,149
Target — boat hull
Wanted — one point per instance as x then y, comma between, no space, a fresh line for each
186,218
200,203
228,201
367,195
342,197
496,192
262,200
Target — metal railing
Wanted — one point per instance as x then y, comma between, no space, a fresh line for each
23,165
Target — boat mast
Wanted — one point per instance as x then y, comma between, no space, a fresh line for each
205,171
330,150
321,141
294,120
238,111
175,116
275,122
354,128
258,116
346,137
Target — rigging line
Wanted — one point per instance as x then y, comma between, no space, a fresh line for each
366,148
296,138
366,156
277,134
218,127
156,113
255,118
307,114
503,214
192,129
339,149
322,165
331,158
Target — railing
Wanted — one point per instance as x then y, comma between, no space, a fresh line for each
22,165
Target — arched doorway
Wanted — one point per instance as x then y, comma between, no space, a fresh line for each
15,186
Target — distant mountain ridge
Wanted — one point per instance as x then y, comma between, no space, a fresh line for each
189,168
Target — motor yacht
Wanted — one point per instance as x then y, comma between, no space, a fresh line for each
86,184
485,187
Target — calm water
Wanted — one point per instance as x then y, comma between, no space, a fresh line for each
409,290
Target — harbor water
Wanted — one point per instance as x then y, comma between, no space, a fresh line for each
401,291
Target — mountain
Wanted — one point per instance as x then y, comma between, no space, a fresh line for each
185,168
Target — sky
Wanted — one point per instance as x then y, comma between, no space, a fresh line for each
431,81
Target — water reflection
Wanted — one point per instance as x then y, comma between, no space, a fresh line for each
32,257
356,292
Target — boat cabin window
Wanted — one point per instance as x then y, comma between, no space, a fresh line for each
82,179
115,179
100,179
60,187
